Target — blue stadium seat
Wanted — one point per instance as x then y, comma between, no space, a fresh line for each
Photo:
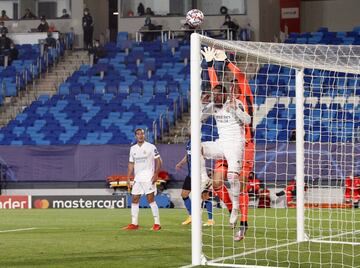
88,88
100,87
75,88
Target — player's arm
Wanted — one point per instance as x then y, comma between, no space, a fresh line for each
213,77
209,55
207,111
240,77
181,162
220,55
158,163
129,174
237,108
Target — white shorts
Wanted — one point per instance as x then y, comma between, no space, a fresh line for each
232,152
140,188
206,183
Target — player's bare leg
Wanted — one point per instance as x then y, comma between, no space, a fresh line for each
134,213
155,211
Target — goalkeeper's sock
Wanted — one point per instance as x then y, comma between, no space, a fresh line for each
134,213
223,194
244,205
155,212
208,205
244,223
187,203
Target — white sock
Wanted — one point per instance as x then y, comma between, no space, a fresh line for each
134,213
155,212
234,189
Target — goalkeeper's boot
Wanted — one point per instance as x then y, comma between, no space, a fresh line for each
156,227
234,217
187,221
131,227
209,223
240,235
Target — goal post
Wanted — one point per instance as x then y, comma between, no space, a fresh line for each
299,95
196,242
306,115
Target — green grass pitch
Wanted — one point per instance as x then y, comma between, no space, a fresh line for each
93,238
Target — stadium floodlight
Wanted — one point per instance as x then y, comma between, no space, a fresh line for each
313,90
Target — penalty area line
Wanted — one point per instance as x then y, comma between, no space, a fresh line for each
18,230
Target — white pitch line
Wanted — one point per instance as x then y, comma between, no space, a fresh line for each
188,266
335,242
341,234
321,239
18,230
250,252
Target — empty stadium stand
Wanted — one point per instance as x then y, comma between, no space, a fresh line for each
147,84
102,104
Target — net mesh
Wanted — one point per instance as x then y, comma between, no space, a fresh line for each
331,155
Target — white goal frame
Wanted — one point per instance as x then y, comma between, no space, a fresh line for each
298,62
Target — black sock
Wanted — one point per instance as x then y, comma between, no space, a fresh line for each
244,223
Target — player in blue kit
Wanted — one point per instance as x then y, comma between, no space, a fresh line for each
186,189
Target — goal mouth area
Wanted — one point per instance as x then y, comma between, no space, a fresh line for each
300,56
305,114
271,238
230,261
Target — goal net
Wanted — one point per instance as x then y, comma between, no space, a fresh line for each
305,127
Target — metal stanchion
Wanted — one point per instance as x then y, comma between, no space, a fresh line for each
6,61
91,60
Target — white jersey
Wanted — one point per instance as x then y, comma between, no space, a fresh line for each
230,122
143,158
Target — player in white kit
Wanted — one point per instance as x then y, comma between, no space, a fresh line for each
145,163
231,119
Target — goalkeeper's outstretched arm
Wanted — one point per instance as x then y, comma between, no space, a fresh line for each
209,55
241,79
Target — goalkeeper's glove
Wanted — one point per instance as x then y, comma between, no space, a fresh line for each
209,55
220,55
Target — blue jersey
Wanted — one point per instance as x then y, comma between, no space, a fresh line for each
188,159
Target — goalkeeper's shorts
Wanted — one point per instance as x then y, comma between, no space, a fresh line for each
221,166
